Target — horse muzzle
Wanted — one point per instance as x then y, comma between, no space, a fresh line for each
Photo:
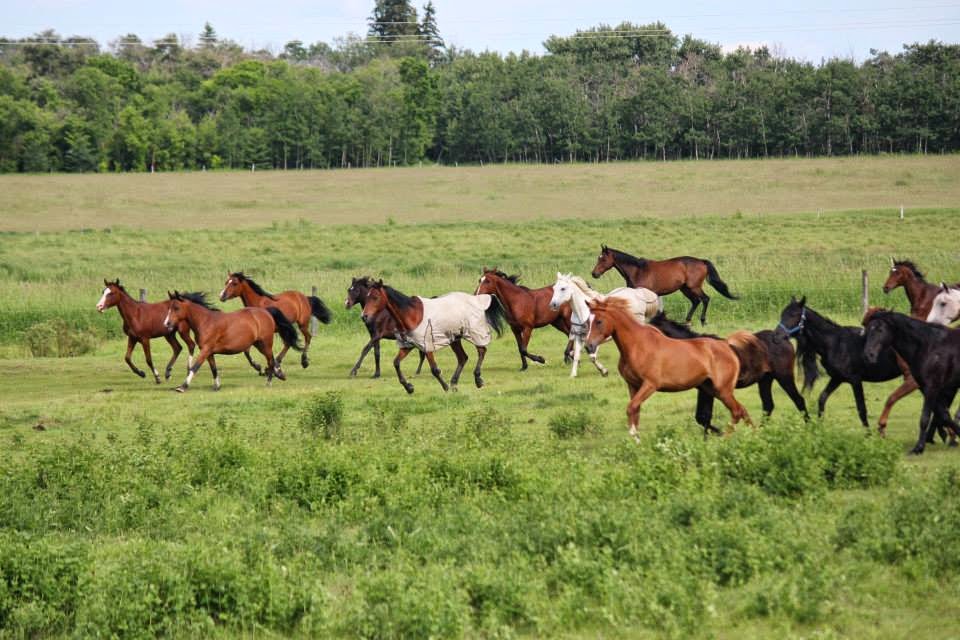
347,303
364,317
595,274
886,289
100,307
554,305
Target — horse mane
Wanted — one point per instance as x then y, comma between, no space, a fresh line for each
673,329
515,278
582,284
118,285
257,289
743,339
621,305
913,268
197,297
873,312
400,300
626,258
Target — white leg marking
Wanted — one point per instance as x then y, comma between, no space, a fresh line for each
216,382
189,378
576,357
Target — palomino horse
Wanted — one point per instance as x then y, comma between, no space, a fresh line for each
379,327
524,309
651,362
429,324
143,321
764,357
933,354
573,290
665,276
230,333
296,307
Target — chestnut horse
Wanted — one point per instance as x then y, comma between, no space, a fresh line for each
665,276
379,327
296,307
651,362
430,324
143,321
230,333
524,309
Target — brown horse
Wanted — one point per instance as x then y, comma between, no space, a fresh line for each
651,362
764,357
142,322
296,307
524,309
379,327
230,333
665,276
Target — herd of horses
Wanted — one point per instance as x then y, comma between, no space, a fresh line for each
656,353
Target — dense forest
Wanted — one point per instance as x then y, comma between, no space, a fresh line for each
398,95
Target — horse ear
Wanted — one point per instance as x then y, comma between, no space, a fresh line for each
944,287
105,283
892,262
169,295
803,301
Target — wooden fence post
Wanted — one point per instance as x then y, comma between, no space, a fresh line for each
866,294
143,295
314,323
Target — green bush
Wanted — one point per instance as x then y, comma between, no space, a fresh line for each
323,415
57,339
572,424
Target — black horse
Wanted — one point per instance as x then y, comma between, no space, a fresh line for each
933,354
841,353
767,359
379,327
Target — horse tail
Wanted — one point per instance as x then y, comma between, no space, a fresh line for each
807,360
495,315
288,333
714,279
319,310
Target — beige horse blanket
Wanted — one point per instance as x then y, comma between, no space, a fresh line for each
448,318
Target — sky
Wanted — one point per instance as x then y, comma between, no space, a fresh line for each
809,31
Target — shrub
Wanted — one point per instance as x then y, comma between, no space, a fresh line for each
323,415
57,339
572,424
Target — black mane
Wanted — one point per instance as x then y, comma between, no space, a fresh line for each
197,297
260,291
909,265
626,258
673,329
401,300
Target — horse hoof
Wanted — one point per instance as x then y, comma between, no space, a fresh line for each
166,374
180,389
953,443
353,373
141,374
604,373
479,383
375,375
409,388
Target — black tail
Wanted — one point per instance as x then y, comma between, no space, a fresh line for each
714,279
288,332
495,315
319,310
807,360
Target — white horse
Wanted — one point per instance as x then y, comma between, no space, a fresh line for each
574,289
946,306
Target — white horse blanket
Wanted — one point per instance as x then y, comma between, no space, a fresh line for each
644,304
450,317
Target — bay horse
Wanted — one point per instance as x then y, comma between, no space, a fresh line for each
933,355
381,326
685,273
296,307
142,322
525,309
651,361
429,324
230,333
764,357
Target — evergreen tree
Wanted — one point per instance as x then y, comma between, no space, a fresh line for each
393,21
431,33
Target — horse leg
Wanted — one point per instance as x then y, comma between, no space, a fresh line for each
577,345
253,364
145,343
737,410
765,387
704,414
435,370
926,425
705,300
214,372
401,354
694,301
788,384
518,334
908,386
638,396
568,352
171,339
477,379
279,357
190,342
192,370
420,364
596,362
363,354
307,337
131,343
273,364
527,332
861,404
830,388
458,350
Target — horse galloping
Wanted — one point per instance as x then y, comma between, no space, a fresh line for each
380,326
296,307
685,273
525,309
651,362
230,333
574,291
429,324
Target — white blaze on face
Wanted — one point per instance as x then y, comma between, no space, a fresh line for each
166,319
480,284
103,300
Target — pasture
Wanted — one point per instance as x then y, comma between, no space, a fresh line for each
330,506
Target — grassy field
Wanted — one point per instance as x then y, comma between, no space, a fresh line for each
329,506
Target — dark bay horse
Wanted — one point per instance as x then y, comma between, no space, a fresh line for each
381,326
429,324
766,358
685,273
933,355
296,307
230,333
524,309
142,322
651,361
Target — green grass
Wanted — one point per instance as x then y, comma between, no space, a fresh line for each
328,506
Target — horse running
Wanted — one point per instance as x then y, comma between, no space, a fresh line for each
524,309
429,324
663,277
296,307
379,327
651,362
764,357
230,333
574,291
142,322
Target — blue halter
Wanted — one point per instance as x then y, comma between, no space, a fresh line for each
797,329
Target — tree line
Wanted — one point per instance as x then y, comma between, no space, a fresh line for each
399,96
